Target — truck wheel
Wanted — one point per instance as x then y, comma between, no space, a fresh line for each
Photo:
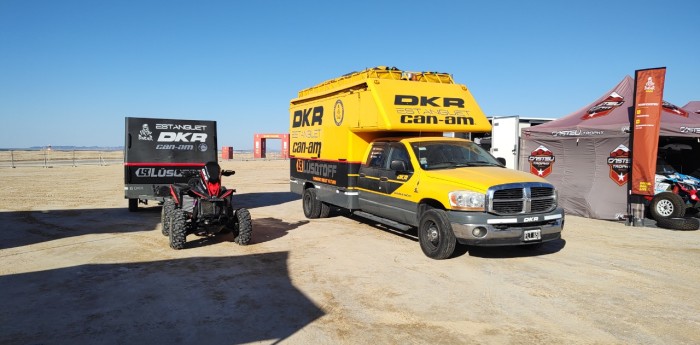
178,229
245,227
311,205
325,210
435,235
667,205
168,206
133,205
679,223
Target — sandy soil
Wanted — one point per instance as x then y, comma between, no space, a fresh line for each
78,268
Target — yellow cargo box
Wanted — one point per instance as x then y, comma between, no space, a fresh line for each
358,107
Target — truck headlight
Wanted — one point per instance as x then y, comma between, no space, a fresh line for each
467,200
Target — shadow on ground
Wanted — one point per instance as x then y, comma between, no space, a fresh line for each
253,200
484,252
30,227
506,252
206,300
264,230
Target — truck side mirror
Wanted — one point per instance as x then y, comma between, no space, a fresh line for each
501,160
398,165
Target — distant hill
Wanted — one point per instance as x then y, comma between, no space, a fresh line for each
78,148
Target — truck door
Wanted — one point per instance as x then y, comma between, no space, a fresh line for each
369,177
379,179
505,136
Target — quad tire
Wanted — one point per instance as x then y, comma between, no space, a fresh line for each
244,227
133,205
435,235
312,206
678,223
666,205
165,213
178,229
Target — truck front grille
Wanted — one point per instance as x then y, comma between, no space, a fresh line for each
521,198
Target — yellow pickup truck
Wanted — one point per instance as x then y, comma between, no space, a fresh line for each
372,142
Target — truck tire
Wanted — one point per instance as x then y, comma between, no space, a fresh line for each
312,206
245,227
325,210
666,205
168,206
435,235
133,205
178,229
679,223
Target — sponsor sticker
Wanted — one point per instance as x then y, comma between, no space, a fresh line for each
619,163
607,105
541,161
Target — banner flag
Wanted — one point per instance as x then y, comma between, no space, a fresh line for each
648,101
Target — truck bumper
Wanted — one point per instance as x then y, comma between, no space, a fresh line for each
483,229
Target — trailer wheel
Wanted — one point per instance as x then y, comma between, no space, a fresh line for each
311,205
168,206
245,227
133,205
666,205
679,223
178,229
435,235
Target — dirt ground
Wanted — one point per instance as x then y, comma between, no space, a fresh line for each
78,268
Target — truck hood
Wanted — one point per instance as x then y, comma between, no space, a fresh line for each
479,179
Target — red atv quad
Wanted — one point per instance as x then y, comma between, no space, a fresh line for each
203,207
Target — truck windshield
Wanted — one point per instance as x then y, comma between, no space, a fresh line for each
451,154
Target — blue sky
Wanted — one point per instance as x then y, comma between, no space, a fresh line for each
70,71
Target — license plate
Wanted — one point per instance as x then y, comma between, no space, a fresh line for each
532,235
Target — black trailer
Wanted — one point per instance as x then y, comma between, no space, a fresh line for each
157,151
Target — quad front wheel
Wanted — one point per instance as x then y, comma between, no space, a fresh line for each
178,229
245,227
168,206
435,235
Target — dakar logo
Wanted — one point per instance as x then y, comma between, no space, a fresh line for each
300,165
541,161
145,133
619,162
338,112
649,86
604,107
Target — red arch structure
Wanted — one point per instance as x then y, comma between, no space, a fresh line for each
260,144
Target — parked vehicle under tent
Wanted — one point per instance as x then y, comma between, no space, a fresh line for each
586,154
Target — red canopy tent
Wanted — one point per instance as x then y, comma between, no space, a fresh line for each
586,154
692,107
